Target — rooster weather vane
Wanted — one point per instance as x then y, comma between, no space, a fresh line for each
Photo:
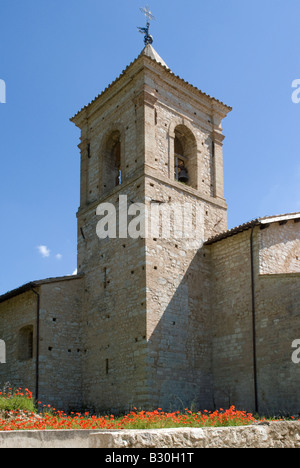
148,39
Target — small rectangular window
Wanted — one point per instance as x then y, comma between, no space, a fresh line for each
25,343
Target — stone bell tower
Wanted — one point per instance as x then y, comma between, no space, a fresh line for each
150,139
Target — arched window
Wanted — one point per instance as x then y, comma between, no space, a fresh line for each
112,173
25,343
185,156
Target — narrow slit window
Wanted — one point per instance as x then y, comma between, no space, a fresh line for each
105,278
117,159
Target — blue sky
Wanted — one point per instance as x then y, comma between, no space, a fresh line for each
57,55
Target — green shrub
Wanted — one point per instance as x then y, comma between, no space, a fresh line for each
16,399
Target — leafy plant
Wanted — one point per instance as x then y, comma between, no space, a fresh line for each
16,399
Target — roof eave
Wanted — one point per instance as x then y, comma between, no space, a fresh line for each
217,104
35,284
233,232
263,222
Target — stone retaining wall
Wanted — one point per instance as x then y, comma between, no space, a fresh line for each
270,435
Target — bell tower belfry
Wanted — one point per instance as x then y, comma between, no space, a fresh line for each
149,140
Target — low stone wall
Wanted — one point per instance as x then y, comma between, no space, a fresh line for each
271,435
45,439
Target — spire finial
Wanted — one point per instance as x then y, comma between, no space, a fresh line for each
148,39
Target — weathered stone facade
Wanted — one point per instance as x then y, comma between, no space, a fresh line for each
167,318
268,294
47,312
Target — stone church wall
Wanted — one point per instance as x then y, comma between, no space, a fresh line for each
60,349
280,248
16,314
278,316
232,322
114,316
277,310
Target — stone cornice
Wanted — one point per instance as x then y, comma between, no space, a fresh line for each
145,97
142,61
150,172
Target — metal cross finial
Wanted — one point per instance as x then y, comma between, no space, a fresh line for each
148,39
147,13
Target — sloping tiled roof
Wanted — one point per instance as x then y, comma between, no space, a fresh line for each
251,224
34,284
151,53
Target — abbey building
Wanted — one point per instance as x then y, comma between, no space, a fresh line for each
160,319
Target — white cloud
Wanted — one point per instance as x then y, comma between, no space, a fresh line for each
74,273
44,251
58,256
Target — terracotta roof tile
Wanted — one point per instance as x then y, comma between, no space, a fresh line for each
256,222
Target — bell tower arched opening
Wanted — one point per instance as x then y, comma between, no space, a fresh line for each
112,164
185,156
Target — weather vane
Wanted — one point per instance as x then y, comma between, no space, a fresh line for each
148,39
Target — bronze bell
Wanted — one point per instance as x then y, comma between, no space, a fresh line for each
183,176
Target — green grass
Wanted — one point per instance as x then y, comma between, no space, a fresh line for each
13,400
